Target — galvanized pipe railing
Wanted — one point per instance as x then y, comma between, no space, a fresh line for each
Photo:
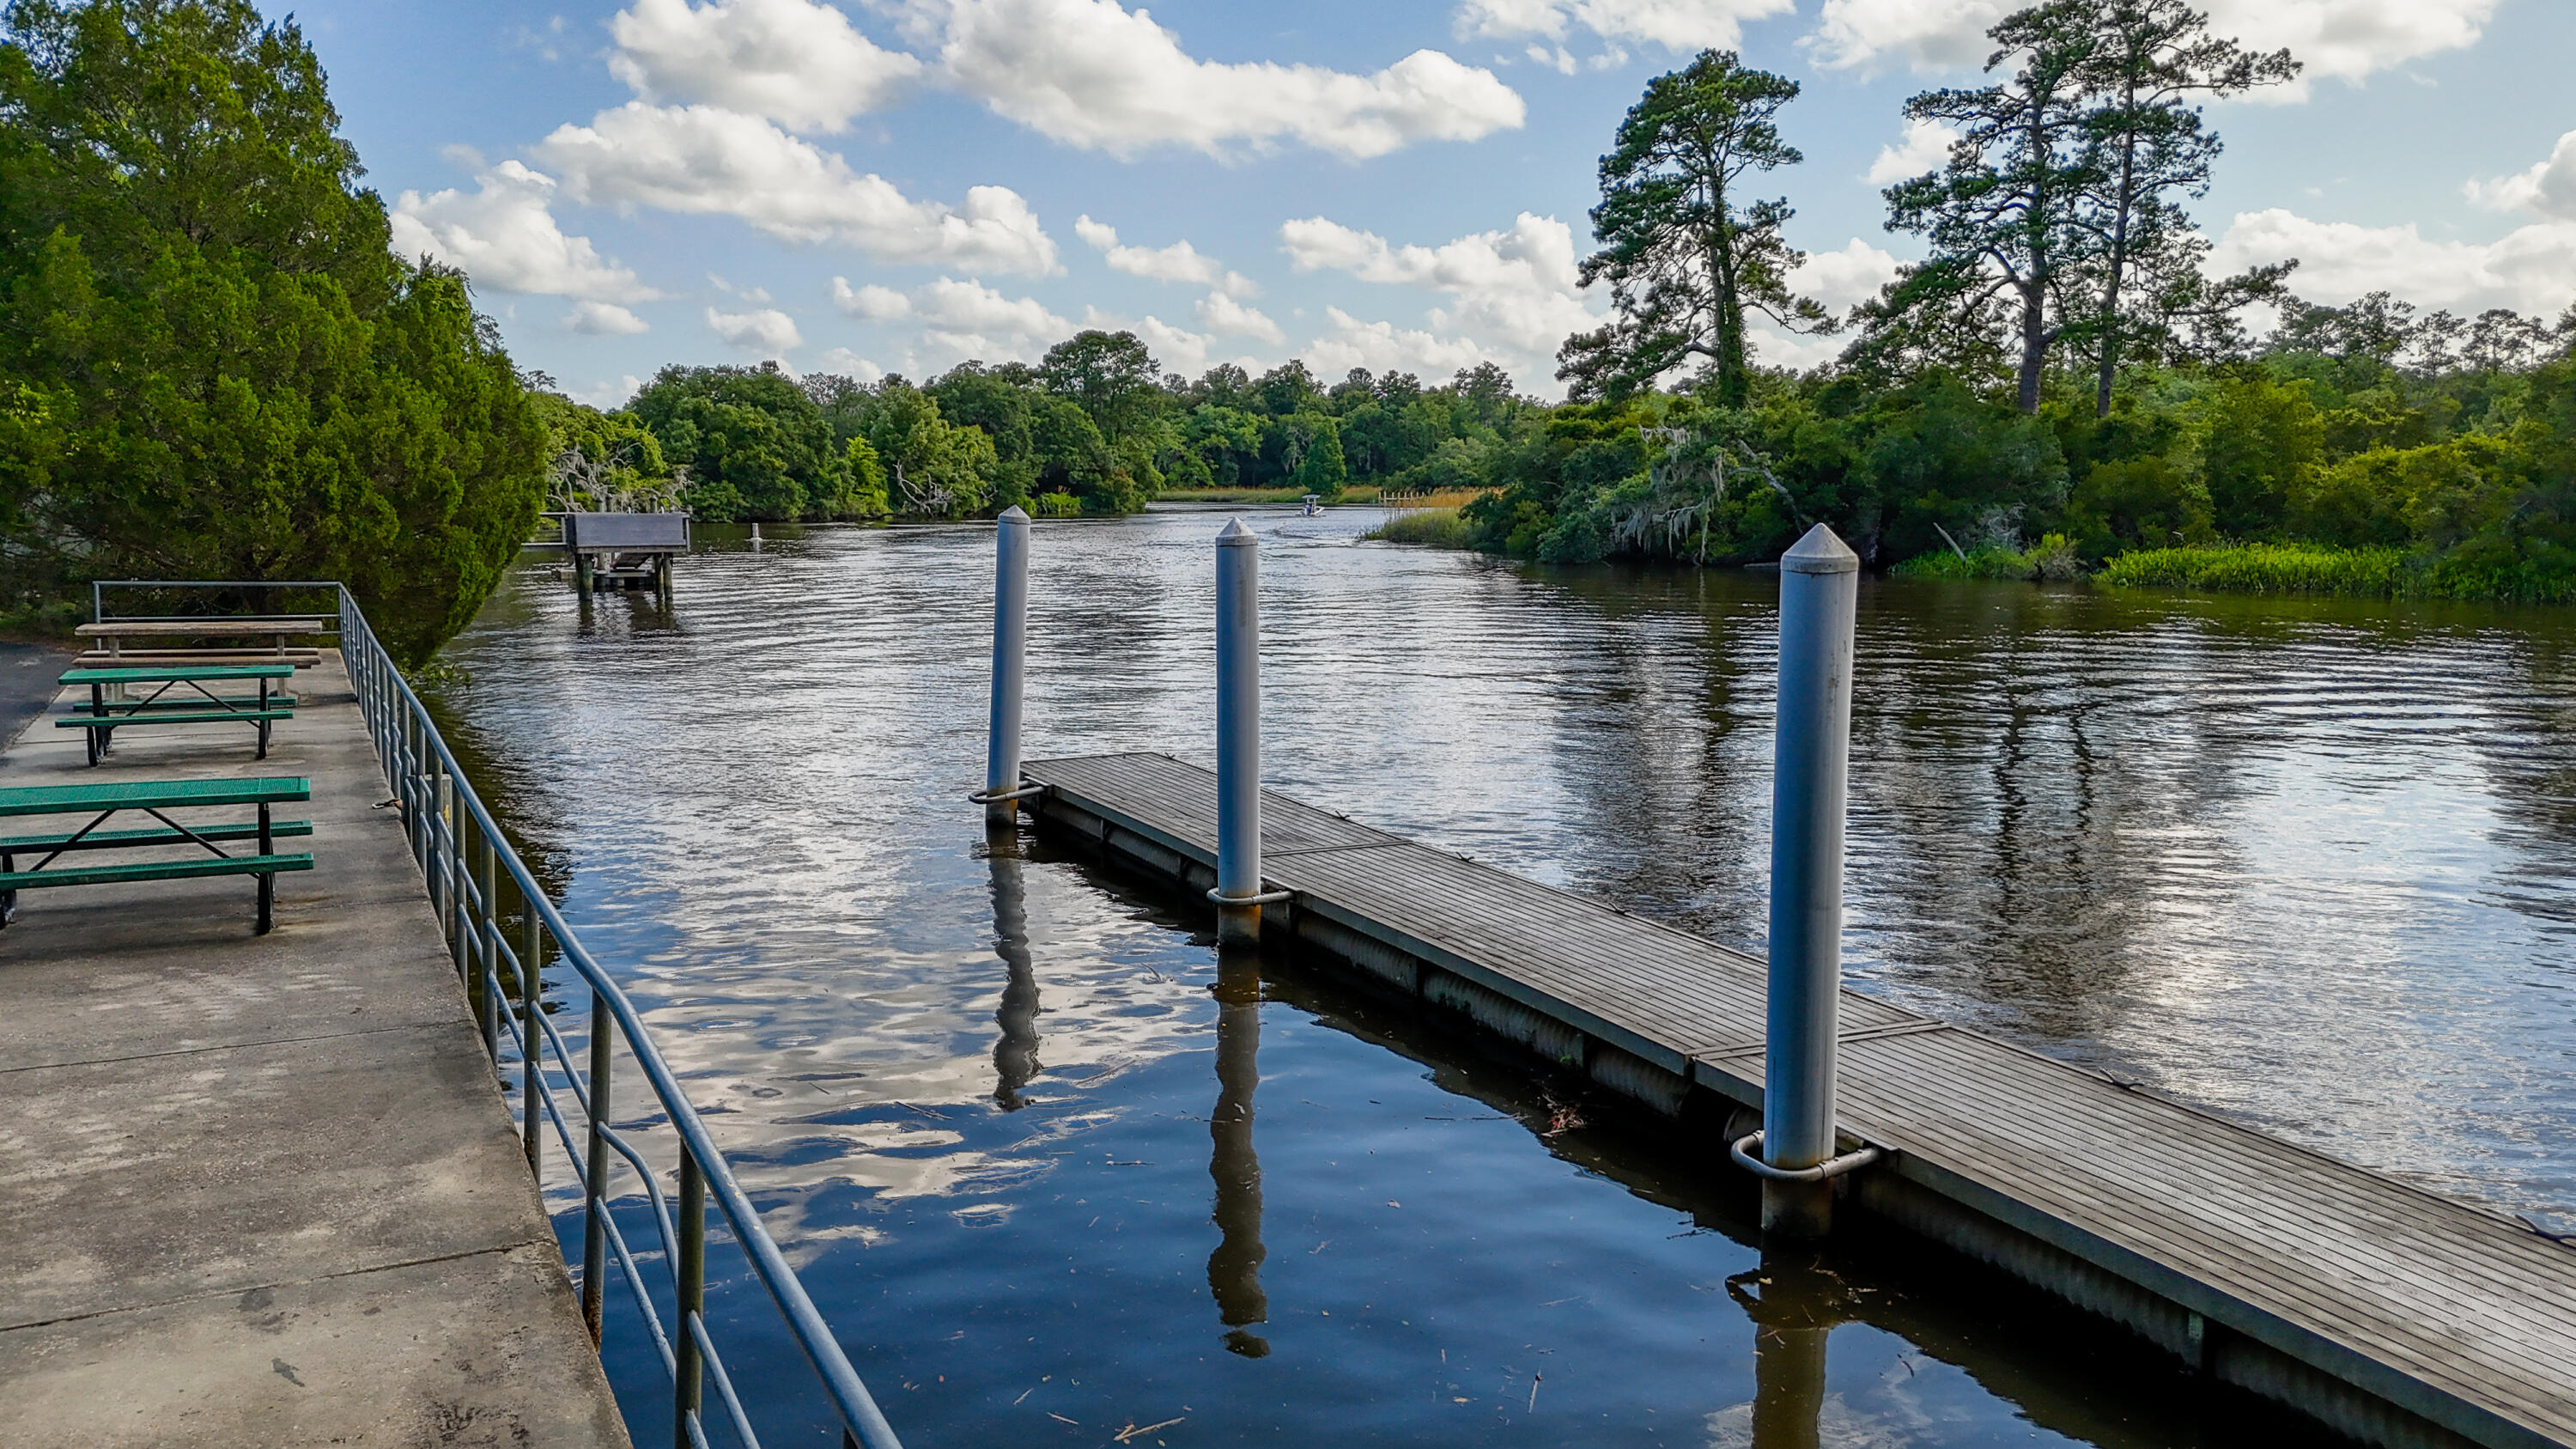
464,857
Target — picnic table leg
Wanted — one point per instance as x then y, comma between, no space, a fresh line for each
263,719
267,878
8,899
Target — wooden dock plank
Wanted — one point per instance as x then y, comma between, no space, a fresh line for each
2371,1279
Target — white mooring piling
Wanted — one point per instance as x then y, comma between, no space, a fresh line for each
1010,644
1238,736
1819,596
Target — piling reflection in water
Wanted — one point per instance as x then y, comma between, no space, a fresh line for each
1015,1054
1234,1269
1794,1303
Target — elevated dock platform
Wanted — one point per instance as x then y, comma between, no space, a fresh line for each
2388,1313
264,1189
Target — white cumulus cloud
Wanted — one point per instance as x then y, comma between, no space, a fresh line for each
765,331
1348,342
1845,276
959,319
796,62
604,319
2530,270
1517,287
1220,313
2548,188
505,237
1179,262
2341,39
704,160
1093,73
870,303
1673,24
1925,146
850,364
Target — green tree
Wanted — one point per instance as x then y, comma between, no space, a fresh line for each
1685,252
1322,468
2261,441
1110,376
938,469
210,363
867,495
2149,57
755,445
600,460
2005,215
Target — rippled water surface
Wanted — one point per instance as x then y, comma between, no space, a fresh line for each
1055,1176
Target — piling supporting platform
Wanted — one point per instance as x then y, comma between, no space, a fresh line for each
2390,1314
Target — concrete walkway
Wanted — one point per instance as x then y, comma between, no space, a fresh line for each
264,1190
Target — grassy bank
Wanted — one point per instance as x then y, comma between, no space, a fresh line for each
2053,559
1430,527
2355,573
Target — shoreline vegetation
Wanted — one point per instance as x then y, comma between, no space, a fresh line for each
226,371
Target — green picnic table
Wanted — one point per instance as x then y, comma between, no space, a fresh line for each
200,706
152,797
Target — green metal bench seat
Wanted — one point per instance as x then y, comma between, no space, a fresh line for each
16,845
227,701
200,706
101,802
258,865
196,716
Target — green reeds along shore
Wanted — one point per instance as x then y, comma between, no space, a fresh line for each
2053,559
1431,527
2355,573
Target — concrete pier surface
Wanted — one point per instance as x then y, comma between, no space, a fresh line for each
265,1189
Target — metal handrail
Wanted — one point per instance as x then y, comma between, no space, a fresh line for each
444,820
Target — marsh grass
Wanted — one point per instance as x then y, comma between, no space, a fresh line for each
2354,573
2051,560
1429,527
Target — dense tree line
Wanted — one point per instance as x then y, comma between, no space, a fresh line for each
212,365
1094,426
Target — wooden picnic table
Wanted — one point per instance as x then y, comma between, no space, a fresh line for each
276,628
109,706
152,797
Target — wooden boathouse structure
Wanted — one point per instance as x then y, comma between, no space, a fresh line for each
624,550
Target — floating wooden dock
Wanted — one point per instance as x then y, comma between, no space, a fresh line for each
2389,1313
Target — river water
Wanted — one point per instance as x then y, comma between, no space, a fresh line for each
1055,1177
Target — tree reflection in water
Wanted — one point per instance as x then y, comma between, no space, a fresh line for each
1234,1269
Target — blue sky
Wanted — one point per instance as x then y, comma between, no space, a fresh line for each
893,185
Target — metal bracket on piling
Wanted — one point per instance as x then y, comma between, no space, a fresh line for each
996,797
1746,1151
1266,898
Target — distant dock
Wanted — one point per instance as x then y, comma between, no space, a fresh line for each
2390,1314
264,1190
